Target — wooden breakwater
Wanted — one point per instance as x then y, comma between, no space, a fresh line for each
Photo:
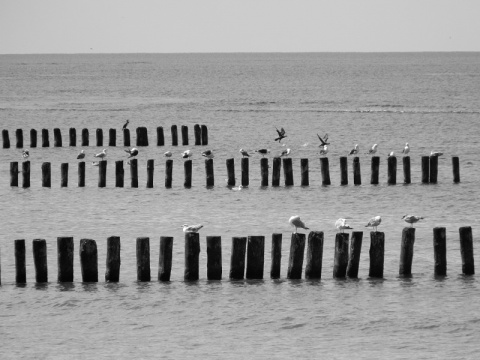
246,260
428,176
200,133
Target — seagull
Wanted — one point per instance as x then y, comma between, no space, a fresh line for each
391,153
373,150
81,155
25,153
295,221
263,151
323,141
406,149
341,224
168,154
281,134
186,154
95,163
244,153
125,125
374,222
354,151
324,151
238,188
191,228
436,153
208,154
411,219
133,152
102,154
285,152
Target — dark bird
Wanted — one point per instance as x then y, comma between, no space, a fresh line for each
263,151
81,155
208,154
281,134
354,151
323,141
125,125
133,152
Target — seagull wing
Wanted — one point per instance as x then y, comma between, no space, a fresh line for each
321,140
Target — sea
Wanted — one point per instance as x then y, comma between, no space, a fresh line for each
430,100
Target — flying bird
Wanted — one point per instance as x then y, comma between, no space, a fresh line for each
323,141
436,153
406,149
186,154
125,125
324,151
263,151
281,134
25,153
373,150
295,221
81,155
244,153
285,152
102,154
411,219
133,152
354,151
191,228
341,224
168,154
208,154
374,222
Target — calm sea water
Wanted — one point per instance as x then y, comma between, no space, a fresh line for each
429,100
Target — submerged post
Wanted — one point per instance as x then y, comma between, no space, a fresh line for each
255,257
277,164
126,137
119,173
375,170
88,260
6,139
46,175
19,135
14,173
204,135
377,254
392,170
33,138
112,137
187,167
112,272
99,134
168,173
325,171
287,171
64,175
150,170
230,172
20,269
142,136
244,168
354,255
305,180
81,174
184,135
26,174
237,259
65,259
466,250
357,177
406,170
72,135
406,251
198,134
45,140
214,257
192,251
160,136
433,169
57,138
264,171
165,258
440,251
39,247
313,270
210,179
134,173
295,261
425,169
85,137
143,259
174,135
276,256
343,170
102,173
456,169
341,255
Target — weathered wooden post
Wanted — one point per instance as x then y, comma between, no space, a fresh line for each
72,135
425,169
142,136
168,173
85,137
324,166
440,251
392,170
26,174
287,171
63,174
377,254
230,172
134,173
112,137
276,256
143,259
46,175
204,135
112,271
406,170
198,134
150,169
341,255
184,135
102,173
456,169
466,250
39,247
20,269
375,170
343,170
406,251
187,167
209,172
126,137
357,177
160,136
313,270
99,134
6,139
81,174
295,260
277,165
65,259
192,251
174,135
88,260
45,140
214,257
33,138
237,259
354,255
255,257
57,138
244,169
19,135
165,258
14,173
305,180
433,169
119,173
264,171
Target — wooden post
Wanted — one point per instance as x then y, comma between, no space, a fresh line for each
406,251
102,173
184,135
33,138
198,134
20,269
433,169
150,169
237,259
112,271
466,250
134,173
99,133
142,136
126,137
264,171
160,136
230,172
204,135
343,170
357,177
165,258
168,173
119,173
88,260
85,137
46,175
406,170
81,174
425,169
456,169
19,135
6,139
376,169
65,259
174,135
255,257
313,270
341,255
72,135
57,138
112,137
276,256
244,169
214,257
39,247
392,170
277,165
209,172
45,140
143,259
377,254
295,261
354,255
192,251
324,166
26,174
187,166
64,175
440,251
287,171
305,181
14,173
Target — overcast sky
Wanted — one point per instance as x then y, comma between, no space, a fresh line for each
176,26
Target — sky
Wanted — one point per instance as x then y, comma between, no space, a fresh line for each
192,26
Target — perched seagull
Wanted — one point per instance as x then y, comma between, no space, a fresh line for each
354,151
208,154
168,154
411,219
285,152
95,163
341,224
263,151
373,150
81,155
281,134
186,154
323,141
406,149
125,125
133,152
436,153
324,151
191,228
391,153
295,221
244,153
25,153
102,154
374,222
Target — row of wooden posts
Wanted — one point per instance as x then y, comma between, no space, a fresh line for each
246,253
429,172
200,132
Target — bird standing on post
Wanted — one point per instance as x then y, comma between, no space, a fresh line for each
406,149
411,219
208,154
125,125
25,153
285,152
324,151
281,134
168,154
244,153
191,228
263,152
374,222
295,221
186,154
102,155
132,152
436,153
373,150
391,153
81,155
354,151
341,224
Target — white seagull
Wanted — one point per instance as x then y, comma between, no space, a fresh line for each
132,152
374,222
354,151
285,152
81,155
263,152
295,221
25,153
373,150
244,153
391,153
95,163
411,219
341,224
324,151
102,154
436,153
168,154
186,154
191,228
406,149
208,154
